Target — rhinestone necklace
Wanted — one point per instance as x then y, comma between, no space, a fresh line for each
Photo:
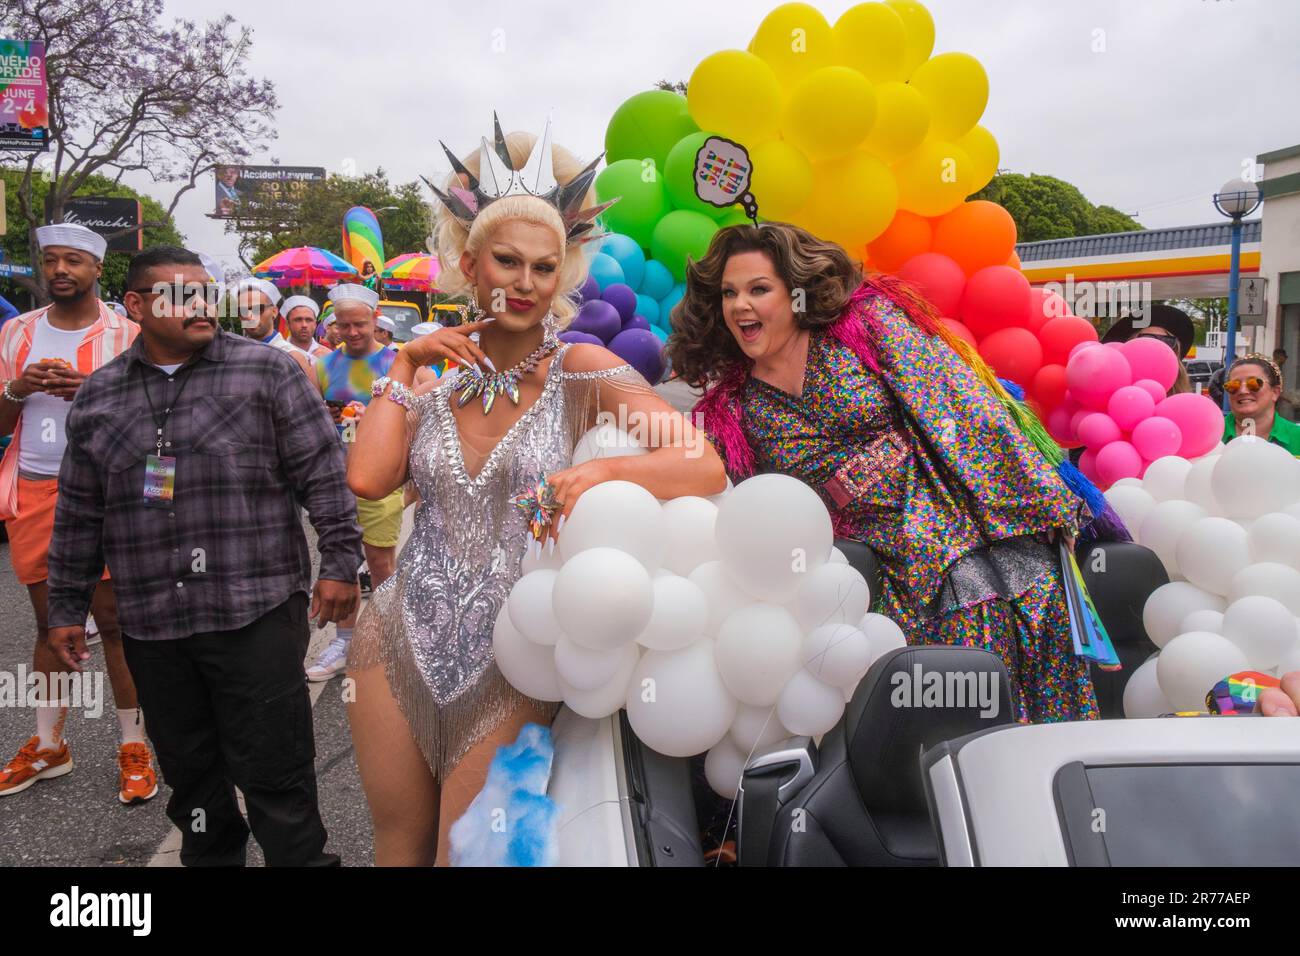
492,384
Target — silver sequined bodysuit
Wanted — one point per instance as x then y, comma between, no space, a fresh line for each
430,624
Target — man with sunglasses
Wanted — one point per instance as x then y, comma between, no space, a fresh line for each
45,358
188,459
1254,385
259,315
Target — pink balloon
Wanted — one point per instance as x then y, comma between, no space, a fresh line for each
1114,345
1093,375
1077,418
1070,405
1118,460
1150,358
1130,405
1199,420
1157,437
1058,425
1079,348
1097,429
1153,389
1088,465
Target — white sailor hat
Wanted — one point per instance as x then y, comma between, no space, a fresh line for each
74,236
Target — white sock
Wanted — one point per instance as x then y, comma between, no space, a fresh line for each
49,723
131,721
343,634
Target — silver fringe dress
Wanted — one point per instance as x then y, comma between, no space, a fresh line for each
430,624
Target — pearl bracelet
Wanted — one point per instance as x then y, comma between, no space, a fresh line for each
9,395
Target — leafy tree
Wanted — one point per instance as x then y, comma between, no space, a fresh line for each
1206,314
1045,207
318,220
160,231
131,94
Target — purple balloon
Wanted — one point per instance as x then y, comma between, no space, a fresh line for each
642,350
621,297
637,322
590,290
597,318
580,337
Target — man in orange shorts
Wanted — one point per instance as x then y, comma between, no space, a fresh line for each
44,357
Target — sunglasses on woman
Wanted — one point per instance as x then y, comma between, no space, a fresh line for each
1233,385
1169,340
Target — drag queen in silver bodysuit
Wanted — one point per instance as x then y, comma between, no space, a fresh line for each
430,705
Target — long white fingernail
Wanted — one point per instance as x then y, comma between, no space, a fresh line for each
560,527
550,546
488,362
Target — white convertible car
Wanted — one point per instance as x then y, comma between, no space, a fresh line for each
959,784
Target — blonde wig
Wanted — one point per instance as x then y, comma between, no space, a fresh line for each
451,238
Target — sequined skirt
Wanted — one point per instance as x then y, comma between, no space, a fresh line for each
444,731
1008,599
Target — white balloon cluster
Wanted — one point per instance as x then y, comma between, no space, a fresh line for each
1227,529
721,626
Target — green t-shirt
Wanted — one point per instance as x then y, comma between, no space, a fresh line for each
1284,433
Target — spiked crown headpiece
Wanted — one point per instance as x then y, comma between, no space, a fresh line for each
497,178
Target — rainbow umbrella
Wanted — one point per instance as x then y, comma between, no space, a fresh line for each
304,265
412,271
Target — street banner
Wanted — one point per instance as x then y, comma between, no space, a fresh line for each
24,99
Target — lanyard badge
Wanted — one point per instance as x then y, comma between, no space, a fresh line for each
159,480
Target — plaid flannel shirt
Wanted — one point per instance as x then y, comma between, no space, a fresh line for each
252,441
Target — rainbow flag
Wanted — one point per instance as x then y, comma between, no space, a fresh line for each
363,240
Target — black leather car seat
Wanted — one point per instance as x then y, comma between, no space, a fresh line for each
1120,576
858,800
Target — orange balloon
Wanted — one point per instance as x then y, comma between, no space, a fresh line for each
1014,261
976,235
906,236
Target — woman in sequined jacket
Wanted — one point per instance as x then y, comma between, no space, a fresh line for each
854,387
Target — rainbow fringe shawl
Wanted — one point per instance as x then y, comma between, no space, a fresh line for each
720,406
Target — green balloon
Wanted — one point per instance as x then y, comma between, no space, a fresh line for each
647,125
642,202
681,234
679,176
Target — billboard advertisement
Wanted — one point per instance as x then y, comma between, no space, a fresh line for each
108,215
255,192
24,99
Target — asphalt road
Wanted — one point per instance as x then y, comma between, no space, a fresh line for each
77,819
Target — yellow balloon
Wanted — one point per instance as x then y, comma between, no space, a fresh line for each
734,93
920,34
781,181
853,200
794,39
829,112
934,178
872,39
957,89
982,149
902,121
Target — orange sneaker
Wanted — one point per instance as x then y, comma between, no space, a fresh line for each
138,780
32,764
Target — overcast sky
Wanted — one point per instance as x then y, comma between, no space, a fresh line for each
1145,105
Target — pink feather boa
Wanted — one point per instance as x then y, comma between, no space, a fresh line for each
720,408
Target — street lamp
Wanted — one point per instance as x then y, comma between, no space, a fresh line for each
1236,199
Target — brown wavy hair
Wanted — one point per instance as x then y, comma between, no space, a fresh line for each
701,346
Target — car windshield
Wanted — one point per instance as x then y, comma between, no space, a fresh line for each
404,316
